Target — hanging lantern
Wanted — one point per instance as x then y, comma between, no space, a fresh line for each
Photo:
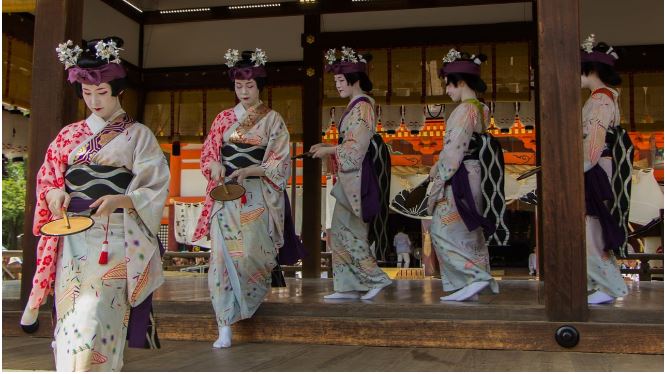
391,118
414,118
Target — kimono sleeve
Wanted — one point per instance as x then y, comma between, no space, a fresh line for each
351,153
149,187
594,128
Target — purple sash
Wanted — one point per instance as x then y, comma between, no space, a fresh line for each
597,190
370,194
293,249
466,205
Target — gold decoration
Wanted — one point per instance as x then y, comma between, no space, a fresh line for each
310,72
310,39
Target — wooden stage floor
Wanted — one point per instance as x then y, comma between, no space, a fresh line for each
406,314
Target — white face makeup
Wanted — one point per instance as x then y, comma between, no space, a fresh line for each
455,93
247,91
342,86
584,81
100,100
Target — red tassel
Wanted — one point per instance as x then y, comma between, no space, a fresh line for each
243,199
104,256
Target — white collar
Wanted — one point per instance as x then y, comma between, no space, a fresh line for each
240,110
97,123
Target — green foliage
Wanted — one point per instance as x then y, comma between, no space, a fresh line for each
13,204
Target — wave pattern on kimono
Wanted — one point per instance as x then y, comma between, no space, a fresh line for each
246,233
462,253
354,266
599,114
93,301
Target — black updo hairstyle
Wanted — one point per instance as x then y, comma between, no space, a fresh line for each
246,62
473,81
88,59
605,72
365,83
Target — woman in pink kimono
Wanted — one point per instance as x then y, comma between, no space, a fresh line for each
356,192
458,231
103,278
249,143
600,121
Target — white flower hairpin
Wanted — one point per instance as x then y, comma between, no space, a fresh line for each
331,56
588,43
232,56
452,56
259,57
348,55
108,50
68,53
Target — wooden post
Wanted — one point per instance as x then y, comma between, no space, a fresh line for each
312,96
561,183
53,105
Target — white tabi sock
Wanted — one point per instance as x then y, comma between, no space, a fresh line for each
373,292
224,340
469,292
343,295
600,297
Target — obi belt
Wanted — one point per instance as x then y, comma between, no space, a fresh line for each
87,183
239,155
487,150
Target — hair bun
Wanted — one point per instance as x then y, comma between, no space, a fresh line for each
482,57
246,56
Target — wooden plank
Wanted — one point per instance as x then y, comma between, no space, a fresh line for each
54,105
311,104
510,335
198,356
561,183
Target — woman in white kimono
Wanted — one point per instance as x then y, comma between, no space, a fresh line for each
457,235
356,201
103,278
600,114
249,143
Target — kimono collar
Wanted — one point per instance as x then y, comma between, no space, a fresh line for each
371,100
240,110
97,123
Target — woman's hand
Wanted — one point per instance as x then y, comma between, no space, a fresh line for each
57,199
216,171
250,171
433,171
108,204
322,150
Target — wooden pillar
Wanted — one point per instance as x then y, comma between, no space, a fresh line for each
561,183
53,105
312,96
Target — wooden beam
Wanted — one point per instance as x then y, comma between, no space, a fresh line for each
53,106
126,9
429,36
311,104
296,9
289,73
561,182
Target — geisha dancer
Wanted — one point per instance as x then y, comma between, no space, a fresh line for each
458,230
605,231
248,143
102,279
356,191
